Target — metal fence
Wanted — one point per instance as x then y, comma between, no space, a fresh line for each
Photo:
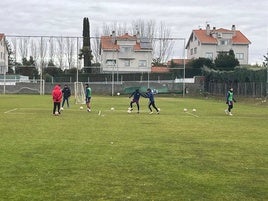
246,89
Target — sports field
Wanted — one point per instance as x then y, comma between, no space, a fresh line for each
112,155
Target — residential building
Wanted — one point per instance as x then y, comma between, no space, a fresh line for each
3,54
207,43
125,53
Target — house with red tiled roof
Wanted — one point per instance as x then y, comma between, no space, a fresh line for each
125,53
160,69
178,62
3,54
207,43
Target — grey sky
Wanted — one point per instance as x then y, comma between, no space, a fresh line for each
65,17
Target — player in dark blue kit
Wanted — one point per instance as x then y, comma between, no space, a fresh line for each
150,95
136,97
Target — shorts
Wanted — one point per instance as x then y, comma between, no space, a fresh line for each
135,101
88,99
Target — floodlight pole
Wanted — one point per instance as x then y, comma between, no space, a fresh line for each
4,82
183,90
77,49
266,80
113,81
41,67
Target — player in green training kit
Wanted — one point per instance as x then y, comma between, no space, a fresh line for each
230,101
88,97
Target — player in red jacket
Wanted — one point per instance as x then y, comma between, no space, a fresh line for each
57,96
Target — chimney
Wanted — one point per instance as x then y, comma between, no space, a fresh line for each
113,37
208,29
214,32
138,37
234,30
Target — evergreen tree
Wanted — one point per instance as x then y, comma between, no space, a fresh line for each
265,62
86,52
226,61
27,68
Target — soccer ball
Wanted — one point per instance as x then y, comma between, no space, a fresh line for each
129,111
81,107
112,108
118,94
185,109
56,113
194,110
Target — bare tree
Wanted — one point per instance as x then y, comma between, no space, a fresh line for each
43,51
70,52
146,29
163,44
51,50
14,43
60,52
96,46
23,48
34,49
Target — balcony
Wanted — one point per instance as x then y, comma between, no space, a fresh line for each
126,55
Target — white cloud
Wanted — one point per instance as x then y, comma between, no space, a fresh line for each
65,17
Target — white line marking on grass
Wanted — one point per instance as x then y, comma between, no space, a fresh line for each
10,110
191,114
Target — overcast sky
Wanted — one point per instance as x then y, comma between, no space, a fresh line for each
65,17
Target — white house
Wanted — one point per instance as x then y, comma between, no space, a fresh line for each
3,55
207,43
125,53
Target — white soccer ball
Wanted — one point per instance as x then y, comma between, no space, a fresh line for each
194,110
118,94
185,109
129,111
56,113
81,107
112,108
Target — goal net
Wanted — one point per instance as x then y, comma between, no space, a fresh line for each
79,93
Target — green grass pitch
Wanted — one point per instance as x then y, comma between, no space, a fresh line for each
113,155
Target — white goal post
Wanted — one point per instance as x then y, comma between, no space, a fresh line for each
79,92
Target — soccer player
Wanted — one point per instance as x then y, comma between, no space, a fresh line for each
230,101
136,97
66,91
56,96
150,95
88,97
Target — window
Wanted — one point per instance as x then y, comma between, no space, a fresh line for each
209,55
126,62
195,50
110,62
126,49
142,63
195,38
224,42
191,51
239,56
